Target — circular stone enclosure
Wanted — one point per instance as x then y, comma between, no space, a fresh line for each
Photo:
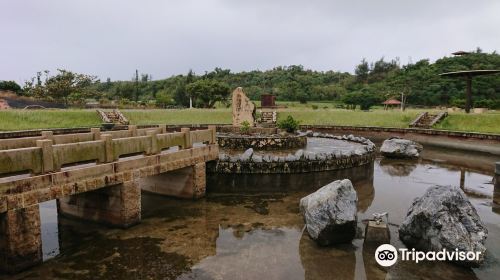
324,152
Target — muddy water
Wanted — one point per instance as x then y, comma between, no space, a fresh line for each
249,227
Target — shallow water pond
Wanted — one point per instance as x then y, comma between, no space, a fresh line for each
242,231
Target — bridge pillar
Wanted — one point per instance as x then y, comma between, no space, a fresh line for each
20,239
188,182
118,205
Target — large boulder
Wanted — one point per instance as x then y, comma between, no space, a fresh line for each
400,148
330,213
247,155
443,218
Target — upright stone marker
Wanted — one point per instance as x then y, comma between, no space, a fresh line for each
243,108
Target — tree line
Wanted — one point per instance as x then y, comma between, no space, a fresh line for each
372,82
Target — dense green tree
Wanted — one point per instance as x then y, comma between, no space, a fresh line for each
65,86
418,82
10,85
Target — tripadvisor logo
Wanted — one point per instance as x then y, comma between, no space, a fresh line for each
387,255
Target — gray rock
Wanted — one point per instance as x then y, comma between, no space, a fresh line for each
299,154
234,158
267,158
309,133
321,156
223,157
247,155
330,213
400,148
290,157
257,158
443,218
310,155
360,151
315,134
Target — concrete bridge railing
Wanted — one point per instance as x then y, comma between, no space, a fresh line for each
108,191
93,135
50,153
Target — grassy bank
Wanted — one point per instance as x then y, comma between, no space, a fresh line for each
36,119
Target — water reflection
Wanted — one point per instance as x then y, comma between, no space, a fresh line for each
394,167
327,262
250,227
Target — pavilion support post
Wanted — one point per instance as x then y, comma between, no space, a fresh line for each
468,98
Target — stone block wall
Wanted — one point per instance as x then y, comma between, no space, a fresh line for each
270,142
20,239
118,205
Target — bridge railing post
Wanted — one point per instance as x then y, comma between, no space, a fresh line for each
47,158
49,135
154,141
213,128
133,130
163,128
96,133
108,147
188,144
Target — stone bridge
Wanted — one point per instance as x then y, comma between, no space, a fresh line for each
95,176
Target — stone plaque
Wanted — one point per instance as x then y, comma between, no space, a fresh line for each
243,108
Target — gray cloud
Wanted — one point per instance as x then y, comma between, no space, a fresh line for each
113,38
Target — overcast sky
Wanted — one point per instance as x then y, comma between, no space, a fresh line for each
161,37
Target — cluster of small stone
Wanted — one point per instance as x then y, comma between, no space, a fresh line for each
248,155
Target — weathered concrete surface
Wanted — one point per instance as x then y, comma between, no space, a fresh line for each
20,239
243,108
443,218
118,205
330,213
188,182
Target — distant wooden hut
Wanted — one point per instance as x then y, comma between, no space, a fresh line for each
267,101
391,103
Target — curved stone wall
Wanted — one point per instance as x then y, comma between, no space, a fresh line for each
300,162
261,142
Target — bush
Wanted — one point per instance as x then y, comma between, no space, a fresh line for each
460,103
245,127
289,124
315,107
484,103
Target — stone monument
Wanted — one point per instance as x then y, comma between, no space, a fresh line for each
243,108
